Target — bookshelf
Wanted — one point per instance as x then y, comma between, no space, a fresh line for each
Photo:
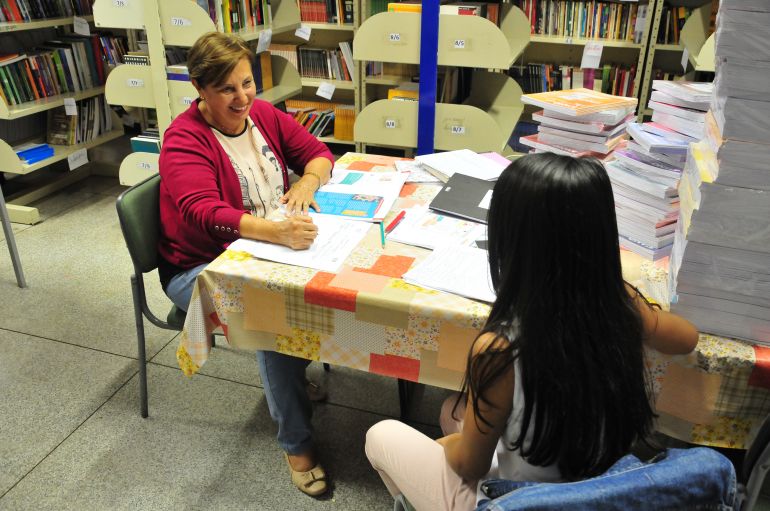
18,207
484,121
694,36
326,36
169,23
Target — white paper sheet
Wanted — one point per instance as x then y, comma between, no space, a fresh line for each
424,228
463,161
416,173
337,237
460,270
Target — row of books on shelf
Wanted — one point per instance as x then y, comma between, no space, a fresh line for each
326,11
262,69
234,15
147,142
671,23
323,119
328,63
67,64
589,19
29,10
610,79
490,11
93,119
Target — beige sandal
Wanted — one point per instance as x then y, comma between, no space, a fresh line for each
312,482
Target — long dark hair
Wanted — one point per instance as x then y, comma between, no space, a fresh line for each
564,308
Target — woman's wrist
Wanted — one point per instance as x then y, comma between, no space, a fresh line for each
316,176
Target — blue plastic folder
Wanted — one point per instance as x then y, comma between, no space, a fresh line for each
352,205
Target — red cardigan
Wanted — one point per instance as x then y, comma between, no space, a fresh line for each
200,197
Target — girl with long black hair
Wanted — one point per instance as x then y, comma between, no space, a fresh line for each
555,387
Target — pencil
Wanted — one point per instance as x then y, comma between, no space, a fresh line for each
382,234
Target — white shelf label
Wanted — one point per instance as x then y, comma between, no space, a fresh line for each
69,106
685,59
120,3
264,40
80,26
303,32
325,90
568,40
135,82
457,130
145,166
187,100
592,55
459,44
77,159
395,37
180,22
391,123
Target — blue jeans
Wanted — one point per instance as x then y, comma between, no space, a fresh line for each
283,378
692,479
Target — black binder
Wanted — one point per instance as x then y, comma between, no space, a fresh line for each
461,196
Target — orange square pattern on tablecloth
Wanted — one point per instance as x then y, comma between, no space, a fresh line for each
335,354
395,367
319,292
361,165
390,266
760,374
368,282
408,189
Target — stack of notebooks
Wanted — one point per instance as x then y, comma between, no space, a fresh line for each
646,173
579,122
720,264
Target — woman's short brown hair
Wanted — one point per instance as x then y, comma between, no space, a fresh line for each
214,56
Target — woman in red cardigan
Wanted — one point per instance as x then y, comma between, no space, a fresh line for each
224,167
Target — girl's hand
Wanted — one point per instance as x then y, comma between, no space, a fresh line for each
299,198
296,232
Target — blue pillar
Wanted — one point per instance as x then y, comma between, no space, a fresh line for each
426,115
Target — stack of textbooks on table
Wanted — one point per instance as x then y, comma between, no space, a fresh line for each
719,275
645,174
579,122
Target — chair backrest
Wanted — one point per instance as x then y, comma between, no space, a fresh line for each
139,214
697,478
756,465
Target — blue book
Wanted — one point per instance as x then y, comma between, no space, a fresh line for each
352,205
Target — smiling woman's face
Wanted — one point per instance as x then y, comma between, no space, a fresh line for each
227,105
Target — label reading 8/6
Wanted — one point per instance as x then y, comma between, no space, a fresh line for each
459,44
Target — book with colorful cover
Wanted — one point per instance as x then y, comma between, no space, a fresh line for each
534,142
699,92
353,205
655,143
578,101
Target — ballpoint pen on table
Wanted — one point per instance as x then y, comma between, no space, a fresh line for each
394,223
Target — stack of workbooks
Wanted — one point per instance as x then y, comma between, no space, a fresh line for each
720,264
579,122
645,174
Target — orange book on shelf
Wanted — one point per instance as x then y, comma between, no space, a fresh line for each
404,7
578,101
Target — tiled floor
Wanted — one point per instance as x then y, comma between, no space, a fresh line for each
70,432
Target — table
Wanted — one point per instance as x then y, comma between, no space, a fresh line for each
366,317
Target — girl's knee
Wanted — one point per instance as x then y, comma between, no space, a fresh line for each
378,437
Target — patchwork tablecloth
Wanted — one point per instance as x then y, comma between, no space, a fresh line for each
366,317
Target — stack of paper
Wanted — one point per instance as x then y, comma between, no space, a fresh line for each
579,122
358,195
464,161
460,270
645,175
720,263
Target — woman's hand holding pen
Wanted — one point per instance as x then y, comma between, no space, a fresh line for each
296,232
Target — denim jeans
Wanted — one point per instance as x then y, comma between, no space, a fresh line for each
283,378
697,478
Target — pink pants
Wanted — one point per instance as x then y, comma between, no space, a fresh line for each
414,464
